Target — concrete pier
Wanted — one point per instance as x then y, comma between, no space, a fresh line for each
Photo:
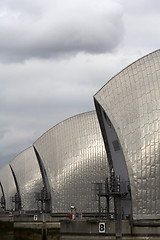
36,227
88,230
6,227
47,227
36,231
29,227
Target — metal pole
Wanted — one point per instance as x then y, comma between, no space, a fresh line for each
108,208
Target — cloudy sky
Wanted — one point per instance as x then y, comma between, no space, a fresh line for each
56,54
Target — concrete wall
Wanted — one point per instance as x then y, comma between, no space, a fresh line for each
26,228
88,230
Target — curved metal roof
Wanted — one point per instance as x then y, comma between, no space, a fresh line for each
74,158
1,195
131,100
28,176
8,185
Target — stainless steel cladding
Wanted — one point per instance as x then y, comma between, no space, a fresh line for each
8,186
131,101
1,194
2,205
29,179
74,157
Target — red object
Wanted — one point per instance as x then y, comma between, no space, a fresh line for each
71,216
19,211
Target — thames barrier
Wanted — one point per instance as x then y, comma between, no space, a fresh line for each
95,175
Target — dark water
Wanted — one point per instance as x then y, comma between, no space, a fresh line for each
7,232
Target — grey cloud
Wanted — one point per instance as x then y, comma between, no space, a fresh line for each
142,7
2,132
140,20
62,28
69,50
26,7
38,94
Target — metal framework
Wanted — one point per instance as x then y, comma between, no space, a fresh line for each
28,179
8,186
129,105
73,156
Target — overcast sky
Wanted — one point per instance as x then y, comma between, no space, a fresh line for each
56,54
